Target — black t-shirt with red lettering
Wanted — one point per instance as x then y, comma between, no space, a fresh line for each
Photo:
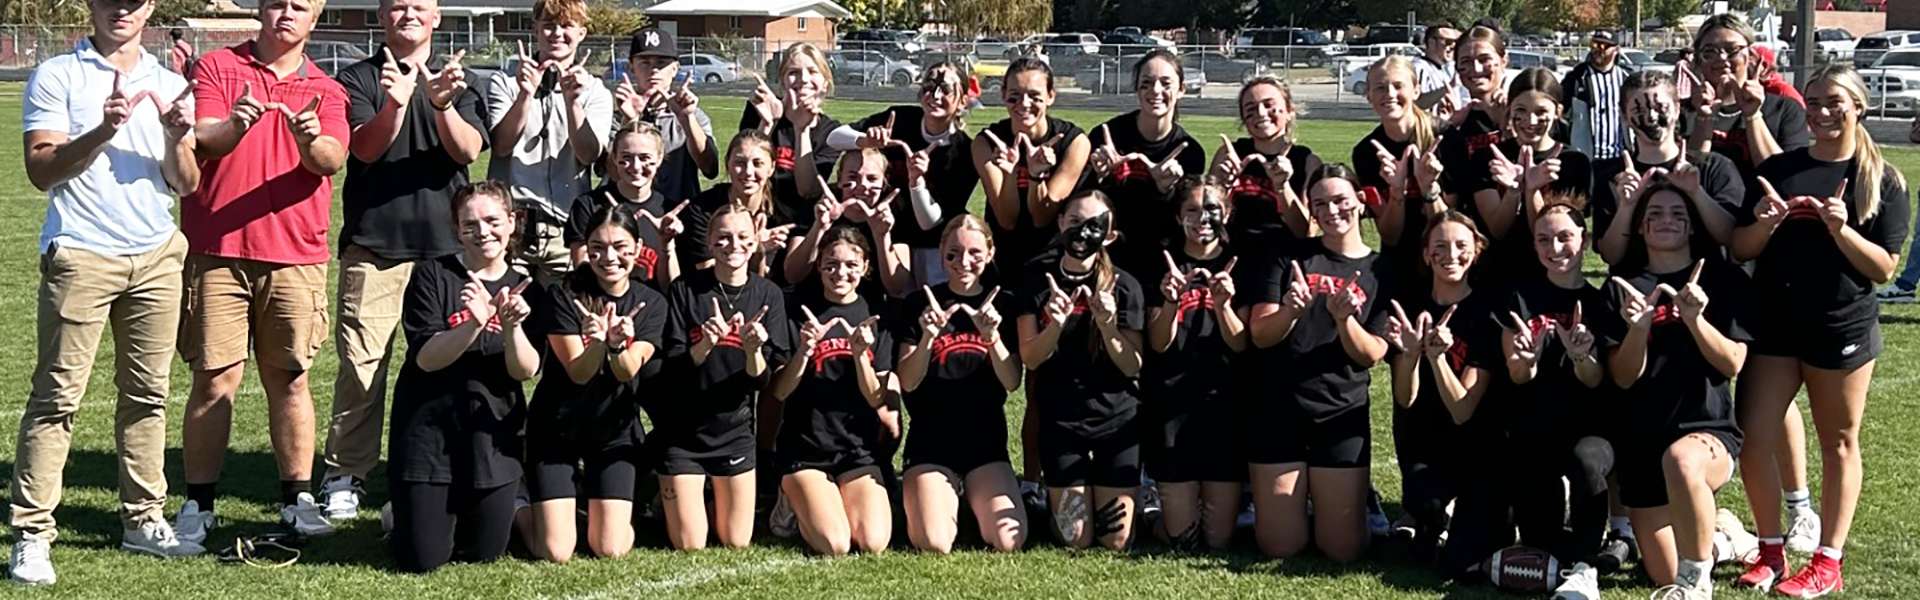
1555,406
604,413
646,266
460,423
1785,119
826,415
1079,389
1718,178
786,191
1198,365
1426,429
1256,230
1145,215
1403,254
1310,372
1802,275
1463,150
715,407
1014,247
1679,391
960,401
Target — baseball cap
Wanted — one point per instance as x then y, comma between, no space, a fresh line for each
651,42
1604,37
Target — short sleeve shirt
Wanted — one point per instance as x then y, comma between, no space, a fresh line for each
121,204
540,168
257,202
399,205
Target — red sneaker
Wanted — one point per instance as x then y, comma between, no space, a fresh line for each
1769,568
1820,577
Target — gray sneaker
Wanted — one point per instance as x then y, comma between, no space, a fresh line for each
1581,582
342,495
155,537
305,517
32,561
1894,294
192,524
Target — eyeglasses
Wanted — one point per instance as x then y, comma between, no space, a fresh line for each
1712,52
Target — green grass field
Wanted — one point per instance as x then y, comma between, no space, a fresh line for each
1884,553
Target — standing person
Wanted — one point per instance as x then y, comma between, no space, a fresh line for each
459,405
955,374
415,130
833,390
1826,224
1317,320
256,270
633,168
1195,333
1436,75
1591,93
797,122
1029,163
646,93
603,329
1266,172
549,121
1473,128
1710,182
1444,360
109,254
1401,146
1674,365
1732,113
1140,156
181,55
1522,171
930,148
725,330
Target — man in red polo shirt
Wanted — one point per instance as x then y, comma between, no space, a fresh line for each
271,130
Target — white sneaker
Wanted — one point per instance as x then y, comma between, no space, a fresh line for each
1680,592
1581,582
1739,542
1803,530
781,522
156,537
192,524
386,518
305,517
343,498
32,562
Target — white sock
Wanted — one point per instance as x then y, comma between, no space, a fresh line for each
1622,526
1695,574
1829,552
1798,499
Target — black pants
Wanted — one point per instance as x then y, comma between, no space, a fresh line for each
1523,490
424,535
1426,488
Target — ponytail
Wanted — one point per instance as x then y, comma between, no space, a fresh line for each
1870,164
1423,127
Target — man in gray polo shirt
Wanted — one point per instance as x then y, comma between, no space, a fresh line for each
550,119
106,137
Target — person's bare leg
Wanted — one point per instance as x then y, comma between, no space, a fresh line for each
1220,507
733,510
555,521
1340,512
819,510
1838,398
209,422
684,498
1767,384
610,527
1657,554
289,421
1695,466
1790,455
1280,508
869,511
933,509
1072,515
1113,518
1179,511
994,495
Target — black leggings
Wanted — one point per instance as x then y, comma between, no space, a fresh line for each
1426,488
1527,494
424,536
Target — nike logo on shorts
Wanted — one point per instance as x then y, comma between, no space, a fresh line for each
1849,349
736,460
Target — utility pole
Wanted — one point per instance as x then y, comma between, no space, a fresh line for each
1803,44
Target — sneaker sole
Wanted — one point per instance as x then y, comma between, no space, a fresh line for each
19,581
145,551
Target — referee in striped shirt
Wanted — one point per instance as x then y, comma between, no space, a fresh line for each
1593,97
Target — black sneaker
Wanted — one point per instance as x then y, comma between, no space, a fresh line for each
1614,554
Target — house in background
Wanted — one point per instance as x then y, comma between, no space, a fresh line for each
781,22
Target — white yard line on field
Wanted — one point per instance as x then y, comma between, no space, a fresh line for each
694,577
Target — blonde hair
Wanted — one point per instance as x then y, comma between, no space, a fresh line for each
749,140
1870,164
565,12
862,155
1422,122
1298,110
812,53
966,222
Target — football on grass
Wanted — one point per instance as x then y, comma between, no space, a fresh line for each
1523,569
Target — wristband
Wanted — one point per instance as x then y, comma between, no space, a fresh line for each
438,107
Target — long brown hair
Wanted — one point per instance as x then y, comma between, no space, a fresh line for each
752,139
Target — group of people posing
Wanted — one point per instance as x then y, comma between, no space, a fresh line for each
834,295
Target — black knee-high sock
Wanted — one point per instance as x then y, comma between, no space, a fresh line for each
290,490
202,493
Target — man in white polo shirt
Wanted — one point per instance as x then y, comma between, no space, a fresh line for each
106,138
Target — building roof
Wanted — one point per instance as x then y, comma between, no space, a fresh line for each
752,8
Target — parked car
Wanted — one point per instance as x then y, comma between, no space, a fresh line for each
1893,83
894,43
1521,59
703,68
1114,75
866,67
1117,43
1291,45
1220,68
1361,57
1640,60
1672,56
1869,49
1835,43
1066,52
991,45
1383,33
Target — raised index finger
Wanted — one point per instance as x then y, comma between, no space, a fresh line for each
932,302
1768,186
1227,144
1172,267
1054,285
1175,155
1399,312
1694,278
810,316
1447,316
988,302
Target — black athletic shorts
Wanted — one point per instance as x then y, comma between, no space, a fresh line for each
1198,447
1838,348
1069,459
1343,441
834,464
959,458
606,475
726,462
1640,470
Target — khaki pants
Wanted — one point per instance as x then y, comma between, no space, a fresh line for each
545,254
371,292
80,293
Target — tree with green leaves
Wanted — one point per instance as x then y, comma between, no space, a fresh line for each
612,17
882,14
175,12
1014,18
44,13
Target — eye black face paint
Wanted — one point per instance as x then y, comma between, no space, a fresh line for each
1650,115
1086,238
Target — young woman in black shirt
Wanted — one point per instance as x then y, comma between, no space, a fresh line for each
1445,355
956,368
1397,163
1316,318
1729,109
1712,185
749,171
795,119
726,327
1080,336
602,331
864,199
834,388
1524,168
1826,226
1267,214
1674,367
1194,333
931,157
1139,156
1028,147
632,162
458,405
1481,61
